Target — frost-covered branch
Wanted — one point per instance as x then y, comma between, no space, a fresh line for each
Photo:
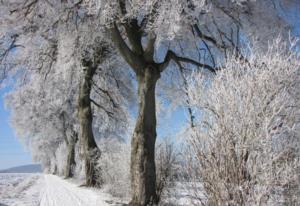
244,148
172,56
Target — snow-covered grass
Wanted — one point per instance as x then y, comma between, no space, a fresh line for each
20,189
182,194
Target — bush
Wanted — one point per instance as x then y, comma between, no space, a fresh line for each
114,165
166,168
61,159
245,149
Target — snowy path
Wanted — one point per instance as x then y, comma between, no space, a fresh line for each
58,192
49,190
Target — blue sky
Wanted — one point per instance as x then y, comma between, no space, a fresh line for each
12,153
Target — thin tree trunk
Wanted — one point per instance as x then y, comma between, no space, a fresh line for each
54,171
70,164
90,149
143,174
70,142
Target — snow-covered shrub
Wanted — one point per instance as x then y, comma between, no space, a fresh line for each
166,159
79,172
61,159
245,149
114,167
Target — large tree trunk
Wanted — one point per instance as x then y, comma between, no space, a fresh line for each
143,174
70,164
90,149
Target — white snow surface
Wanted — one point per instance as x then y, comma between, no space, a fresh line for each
37,189
48,190
18,189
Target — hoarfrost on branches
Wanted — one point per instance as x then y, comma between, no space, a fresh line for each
245,148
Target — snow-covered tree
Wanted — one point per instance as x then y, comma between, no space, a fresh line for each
140,30
54,100
42,114
100,87
52,40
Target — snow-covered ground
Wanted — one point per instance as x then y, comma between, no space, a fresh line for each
48,190
37,189
20,189
59,192
183,194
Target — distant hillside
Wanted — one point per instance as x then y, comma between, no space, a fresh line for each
33,168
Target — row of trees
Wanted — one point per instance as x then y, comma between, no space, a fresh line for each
77,65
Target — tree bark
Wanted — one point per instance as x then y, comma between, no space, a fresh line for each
70,164
55,170
89,147
143,174
53,161
142,168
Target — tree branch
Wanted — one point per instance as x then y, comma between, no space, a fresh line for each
149,51
133,60
107,93
132,30
206,37
11,46
122,5
150,17
172,56
134,36
185,82
110,114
